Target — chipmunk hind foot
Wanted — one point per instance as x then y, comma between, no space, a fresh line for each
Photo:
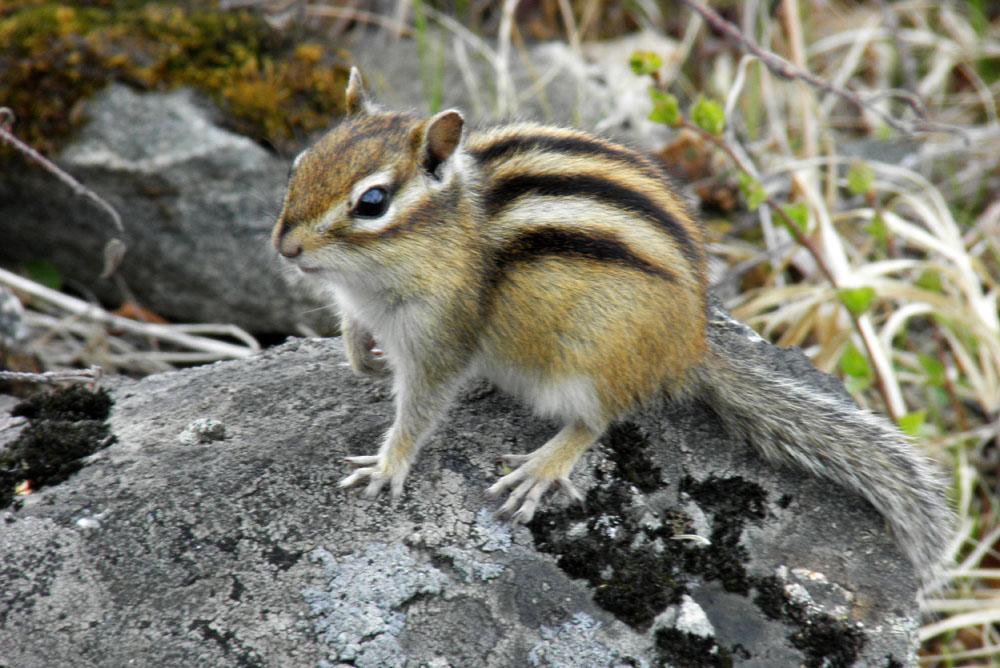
537,472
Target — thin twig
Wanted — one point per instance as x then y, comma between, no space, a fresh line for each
784,69
949,386
91,375
343,14
115,248
168,333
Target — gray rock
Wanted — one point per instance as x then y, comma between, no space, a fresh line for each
12,327
204,430
197,201
243,551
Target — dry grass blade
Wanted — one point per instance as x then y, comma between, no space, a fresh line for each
91,375
786,70
197,348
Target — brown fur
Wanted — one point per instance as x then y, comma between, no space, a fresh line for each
568,270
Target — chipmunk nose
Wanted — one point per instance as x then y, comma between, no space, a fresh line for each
289,248
288,245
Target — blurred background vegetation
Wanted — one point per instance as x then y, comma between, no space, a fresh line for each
867,234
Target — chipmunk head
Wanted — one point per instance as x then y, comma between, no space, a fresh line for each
365,182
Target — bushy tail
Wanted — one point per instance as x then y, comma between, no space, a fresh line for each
792,423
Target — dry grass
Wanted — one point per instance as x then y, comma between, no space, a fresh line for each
921,236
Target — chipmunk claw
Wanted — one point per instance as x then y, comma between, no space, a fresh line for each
361,460
570,490
513,461
372,469
527,487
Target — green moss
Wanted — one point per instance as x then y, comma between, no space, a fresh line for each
53,56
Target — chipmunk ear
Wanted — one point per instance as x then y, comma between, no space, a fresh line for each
356,100
443,134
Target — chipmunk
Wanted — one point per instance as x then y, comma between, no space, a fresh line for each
567,270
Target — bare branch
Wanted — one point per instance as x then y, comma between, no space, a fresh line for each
91,375
786,70
115,248
174,334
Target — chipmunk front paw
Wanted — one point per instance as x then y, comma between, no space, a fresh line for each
365,359
363,355
376,470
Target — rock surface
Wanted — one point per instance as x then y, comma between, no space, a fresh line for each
212,533
197,201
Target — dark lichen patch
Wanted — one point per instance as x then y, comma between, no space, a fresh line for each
636,567
825,641
71,404
273,87
770,597
629,445
64,427
282,558
828,643
730,496
237,590
228,642
733,502
634,575
632,568
687,650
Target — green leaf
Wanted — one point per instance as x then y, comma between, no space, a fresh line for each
666,110
934,369
912,422
860,178
45,273
854,364
799,213
878,229
856,385
645,62
709,116
930,281
752,190
857,300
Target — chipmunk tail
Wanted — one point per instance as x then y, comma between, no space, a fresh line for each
794,424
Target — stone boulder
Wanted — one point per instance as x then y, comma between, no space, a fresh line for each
212,533
197,202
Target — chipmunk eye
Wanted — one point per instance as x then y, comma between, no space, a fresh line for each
372,203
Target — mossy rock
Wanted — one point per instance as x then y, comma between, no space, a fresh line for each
272,87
